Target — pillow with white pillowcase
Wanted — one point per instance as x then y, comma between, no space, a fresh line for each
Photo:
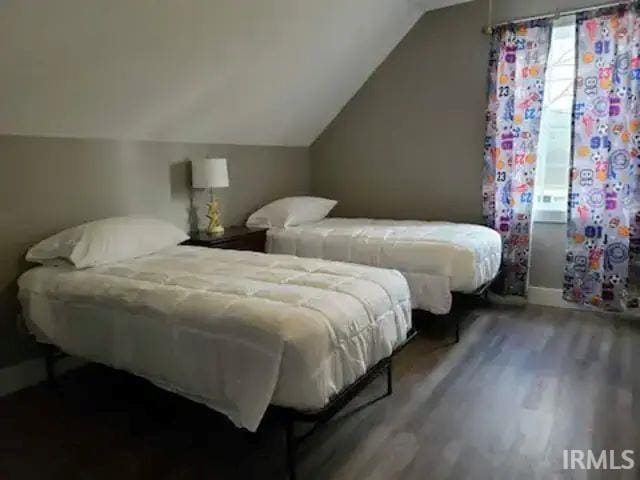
291,211
107,241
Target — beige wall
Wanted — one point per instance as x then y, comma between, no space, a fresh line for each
262,72
47,184
409,143
547,254
506,10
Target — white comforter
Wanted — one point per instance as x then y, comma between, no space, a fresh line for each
234,330
435,257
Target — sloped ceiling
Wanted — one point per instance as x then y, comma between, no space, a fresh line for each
260,72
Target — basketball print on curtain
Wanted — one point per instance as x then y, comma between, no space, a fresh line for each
603,235
517,68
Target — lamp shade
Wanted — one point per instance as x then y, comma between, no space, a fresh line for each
209,173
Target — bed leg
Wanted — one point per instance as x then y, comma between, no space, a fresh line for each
291,447
49,364
389,378
457,329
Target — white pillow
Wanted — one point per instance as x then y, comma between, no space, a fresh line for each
106,241
291,211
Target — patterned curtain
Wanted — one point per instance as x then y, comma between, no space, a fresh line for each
517,68
603,234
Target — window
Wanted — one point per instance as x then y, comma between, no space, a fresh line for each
554,144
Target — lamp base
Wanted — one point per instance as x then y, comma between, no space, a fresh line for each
214,227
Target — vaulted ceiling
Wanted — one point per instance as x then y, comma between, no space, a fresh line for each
261,72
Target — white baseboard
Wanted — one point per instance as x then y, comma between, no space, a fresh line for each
550,297
32,372
506,299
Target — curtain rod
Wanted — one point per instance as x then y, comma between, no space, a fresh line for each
557,14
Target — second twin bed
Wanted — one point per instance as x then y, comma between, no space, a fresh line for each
436,258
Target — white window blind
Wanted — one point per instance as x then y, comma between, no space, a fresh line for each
554,145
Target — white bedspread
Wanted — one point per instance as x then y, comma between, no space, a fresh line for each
435,257
234,330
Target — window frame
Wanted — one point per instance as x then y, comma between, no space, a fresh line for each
550,215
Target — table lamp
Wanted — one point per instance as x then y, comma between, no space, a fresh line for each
210,173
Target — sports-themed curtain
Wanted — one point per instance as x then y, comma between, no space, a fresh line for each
517,67
603,234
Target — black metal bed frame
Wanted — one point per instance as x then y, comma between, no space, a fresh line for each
319,418
289,416
482,291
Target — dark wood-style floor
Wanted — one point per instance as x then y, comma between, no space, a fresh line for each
522,385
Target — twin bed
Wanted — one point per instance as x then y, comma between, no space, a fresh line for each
436,258
243,331
234,330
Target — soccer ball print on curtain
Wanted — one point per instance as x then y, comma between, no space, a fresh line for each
517,68
603,236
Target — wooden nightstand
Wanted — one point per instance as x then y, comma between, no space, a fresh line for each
233,238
